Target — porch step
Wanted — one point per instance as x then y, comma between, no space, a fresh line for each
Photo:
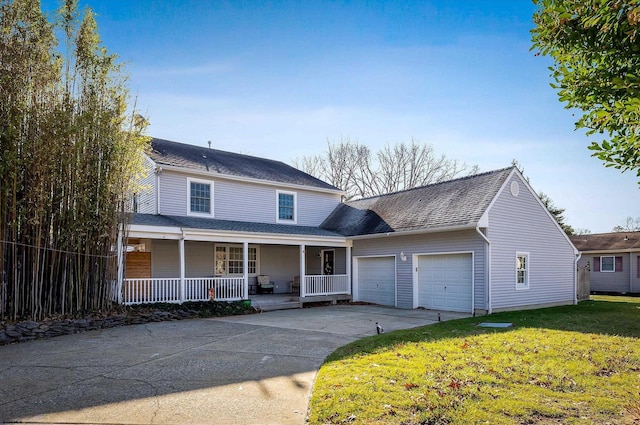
266,304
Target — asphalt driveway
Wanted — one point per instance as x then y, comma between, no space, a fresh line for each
256,369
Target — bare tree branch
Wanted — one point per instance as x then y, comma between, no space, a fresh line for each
350,166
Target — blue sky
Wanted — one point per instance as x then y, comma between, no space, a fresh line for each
279,79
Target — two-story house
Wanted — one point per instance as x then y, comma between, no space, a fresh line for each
225,225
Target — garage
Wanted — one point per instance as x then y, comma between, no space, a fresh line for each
376,280
445,282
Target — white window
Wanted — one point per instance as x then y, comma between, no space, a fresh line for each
229,260
608,264
200,197
286,207
522,270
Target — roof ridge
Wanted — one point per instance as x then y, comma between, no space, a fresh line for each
208,149
433,184
223,162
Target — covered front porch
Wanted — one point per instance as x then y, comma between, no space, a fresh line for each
179,265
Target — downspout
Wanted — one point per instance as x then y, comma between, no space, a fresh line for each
575,279
488,268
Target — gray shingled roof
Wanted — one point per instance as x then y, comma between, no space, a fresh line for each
228,225
614,241
214,161
457,202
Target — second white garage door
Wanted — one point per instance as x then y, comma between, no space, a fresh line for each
377,280
445,282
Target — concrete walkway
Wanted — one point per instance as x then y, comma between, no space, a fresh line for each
256,369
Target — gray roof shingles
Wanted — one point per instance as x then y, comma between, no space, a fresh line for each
615,241
228,225
457,202
214,161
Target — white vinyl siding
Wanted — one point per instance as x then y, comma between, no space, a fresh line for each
281,263
173,194
165,259
239,201
146,196
467,241
522,224
198,259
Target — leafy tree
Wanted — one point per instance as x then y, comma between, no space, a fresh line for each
595,46
631,225
69,155
352,167
556,212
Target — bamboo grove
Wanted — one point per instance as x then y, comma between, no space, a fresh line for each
69,158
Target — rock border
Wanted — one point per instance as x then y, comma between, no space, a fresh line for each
29,330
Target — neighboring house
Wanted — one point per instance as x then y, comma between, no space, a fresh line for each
614,260
216,223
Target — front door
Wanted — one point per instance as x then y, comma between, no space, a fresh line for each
327,261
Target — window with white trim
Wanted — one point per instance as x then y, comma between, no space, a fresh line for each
229,260
522,270
286,204
200,197
607,264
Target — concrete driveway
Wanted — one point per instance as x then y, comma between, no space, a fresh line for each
256,369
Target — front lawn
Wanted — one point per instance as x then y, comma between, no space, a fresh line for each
563,365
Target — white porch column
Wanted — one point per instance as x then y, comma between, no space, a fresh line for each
303,267
348,262
182,267
245,270
120,266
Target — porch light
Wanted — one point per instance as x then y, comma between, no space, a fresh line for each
402,256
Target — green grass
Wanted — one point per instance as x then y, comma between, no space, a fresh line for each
563,365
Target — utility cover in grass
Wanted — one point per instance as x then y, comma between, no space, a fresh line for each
495,325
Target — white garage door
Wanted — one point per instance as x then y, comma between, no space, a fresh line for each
445,282
377,280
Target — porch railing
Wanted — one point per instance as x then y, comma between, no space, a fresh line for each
327,284
222,288
168,290
153,290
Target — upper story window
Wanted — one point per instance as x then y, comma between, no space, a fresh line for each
286,207
200,197
522,270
